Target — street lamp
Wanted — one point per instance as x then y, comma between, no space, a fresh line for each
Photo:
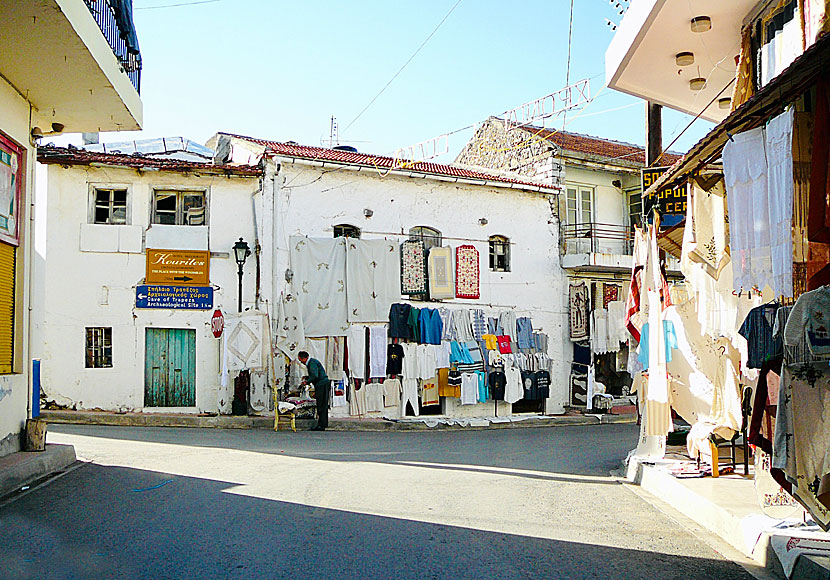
240,252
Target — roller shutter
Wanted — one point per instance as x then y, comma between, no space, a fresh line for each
7,271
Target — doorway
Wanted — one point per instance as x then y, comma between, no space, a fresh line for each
170,367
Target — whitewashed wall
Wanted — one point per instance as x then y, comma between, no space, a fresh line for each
14,388
97,288
310,200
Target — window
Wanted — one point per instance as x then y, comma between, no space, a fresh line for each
779,40
499,254
179,208
346,231
430,236
110,206
580,204
98,347
635,208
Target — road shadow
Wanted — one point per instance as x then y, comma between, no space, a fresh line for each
91,523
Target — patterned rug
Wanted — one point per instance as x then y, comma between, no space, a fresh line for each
578,311
466,274
610,293
413,268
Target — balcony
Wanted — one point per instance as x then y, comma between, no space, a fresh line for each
596,246
120,34
69,60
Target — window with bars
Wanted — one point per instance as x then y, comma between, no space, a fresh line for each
179,208
346,231
430,236
635,208
110,206
98,347
499,254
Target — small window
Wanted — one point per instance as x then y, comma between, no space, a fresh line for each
635,208
179,208
430,236
98,347
346,231
110,206
499,254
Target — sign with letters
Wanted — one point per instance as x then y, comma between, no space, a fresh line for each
178,267
670,201
178,297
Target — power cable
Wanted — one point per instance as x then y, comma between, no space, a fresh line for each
176,5
400,70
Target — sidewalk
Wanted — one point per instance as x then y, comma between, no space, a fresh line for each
23,468
728,506
356,424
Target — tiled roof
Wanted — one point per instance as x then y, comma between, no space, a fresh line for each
73,156
597,146
322,154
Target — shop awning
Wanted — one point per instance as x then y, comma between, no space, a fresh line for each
671,240
765,104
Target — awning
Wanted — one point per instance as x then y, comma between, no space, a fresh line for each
803,73
671,240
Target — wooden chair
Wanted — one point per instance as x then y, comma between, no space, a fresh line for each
287,418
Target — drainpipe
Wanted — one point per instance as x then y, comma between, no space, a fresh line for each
256,244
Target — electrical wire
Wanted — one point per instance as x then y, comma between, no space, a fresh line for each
400,70
176,5
568,67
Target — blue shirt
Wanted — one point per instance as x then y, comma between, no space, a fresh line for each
670,339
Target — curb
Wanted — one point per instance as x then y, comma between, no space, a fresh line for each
256,422
24,467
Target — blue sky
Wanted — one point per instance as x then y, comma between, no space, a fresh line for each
280,70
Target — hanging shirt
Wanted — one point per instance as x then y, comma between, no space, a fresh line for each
507,320
497,380
394,359
413,322
810,319
448,327
504,344
513,390
431,326
410,361
757,329
398,321
543,384
459,353
469,388
490,341
524,330
463,324
442,355
529,386
391,392
454,383
356,344
479,323
426,361
482,387
670,340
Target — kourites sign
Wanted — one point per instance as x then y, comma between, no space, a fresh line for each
179,267
670,201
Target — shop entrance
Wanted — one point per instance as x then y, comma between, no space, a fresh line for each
170,367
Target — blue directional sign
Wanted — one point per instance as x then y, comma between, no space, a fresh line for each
181,297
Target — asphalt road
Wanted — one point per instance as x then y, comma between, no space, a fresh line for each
198,503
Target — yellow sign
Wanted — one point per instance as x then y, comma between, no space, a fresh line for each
178,267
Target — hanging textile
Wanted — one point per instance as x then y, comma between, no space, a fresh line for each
610,293
334,355
816,20
372,268
260,396
374,397
467,272
413,268
744,88
245,342
377,352
391,393
441,284
616,325
319,266
338,389
578,311
709,245
599,331
289,333
429,393
356,347
633,317
657,388
818,216
758,172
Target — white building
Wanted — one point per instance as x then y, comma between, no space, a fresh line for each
58,72
303,191
103,212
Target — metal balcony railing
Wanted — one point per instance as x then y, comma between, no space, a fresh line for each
598,238
120,36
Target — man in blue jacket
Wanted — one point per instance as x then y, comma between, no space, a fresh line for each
318,378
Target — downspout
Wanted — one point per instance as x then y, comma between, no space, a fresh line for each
29,269
257,247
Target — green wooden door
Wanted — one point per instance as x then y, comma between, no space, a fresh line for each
170,367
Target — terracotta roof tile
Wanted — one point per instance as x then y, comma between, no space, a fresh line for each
73,156
323,154
597,146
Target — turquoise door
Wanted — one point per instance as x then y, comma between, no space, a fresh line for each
170,367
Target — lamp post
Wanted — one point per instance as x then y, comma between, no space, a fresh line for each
240,251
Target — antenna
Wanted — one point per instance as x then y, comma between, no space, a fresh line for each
334,138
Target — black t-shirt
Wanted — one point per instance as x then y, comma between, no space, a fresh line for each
497,380
398,318
394,359
543,384
529,385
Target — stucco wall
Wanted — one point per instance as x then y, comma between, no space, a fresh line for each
102,288
14,388
311,201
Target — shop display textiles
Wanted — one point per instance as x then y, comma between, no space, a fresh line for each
440,273
578,311
467,271
413,268
610,293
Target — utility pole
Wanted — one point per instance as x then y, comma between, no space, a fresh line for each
654,132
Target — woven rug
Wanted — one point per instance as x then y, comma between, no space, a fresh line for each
610,293
413,268
466,272
578,311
